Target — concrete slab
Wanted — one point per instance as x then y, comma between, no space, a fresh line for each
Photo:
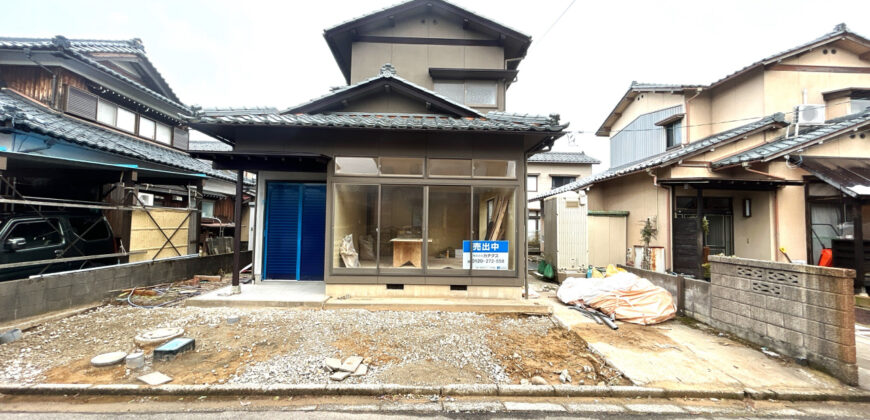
441,304
283,294
675,356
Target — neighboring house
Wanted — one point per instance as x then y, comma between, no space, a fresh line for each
769,156
548,170
91,122
408,181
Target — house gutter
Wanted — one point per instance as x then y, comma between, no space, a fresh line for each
755,171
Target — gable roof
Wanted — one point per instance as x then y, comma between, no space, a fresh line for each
341,37
840,32
386,79
633,91
88,52
669,157
808,136
563,157
23,112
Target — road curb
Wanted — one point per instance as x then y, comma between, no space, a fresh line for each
473,390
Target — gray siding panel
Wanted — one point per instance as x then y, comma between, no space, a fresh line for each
641,138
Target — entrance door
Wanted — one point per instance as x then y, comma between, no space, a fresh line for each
294,231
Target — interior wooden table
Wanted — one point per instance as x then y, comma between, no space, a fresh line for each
408,250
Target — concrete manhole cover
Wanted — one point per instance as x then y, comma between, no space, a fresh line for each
158,336
109,359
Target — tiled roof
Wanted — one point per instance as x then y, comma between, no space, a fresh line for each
81,50
670,156
808,136
25,113
839,31
387,73
563,157
209,146
493,121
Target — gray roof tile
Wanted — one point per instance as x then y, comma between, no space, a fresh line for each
668,156
808,136
493,121
563,157
35,117
81,50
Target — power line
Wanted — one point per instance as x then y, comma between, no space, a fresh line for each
552,25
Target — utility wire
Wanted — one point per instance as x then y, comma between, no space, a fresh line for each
552,25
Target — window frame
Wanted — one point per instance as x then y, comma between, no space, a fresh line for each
673,132
465,83
554,177
389,274
528,178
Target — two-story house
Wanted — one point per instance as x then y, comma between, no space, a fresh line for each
92,125
766,158
549,170
408,181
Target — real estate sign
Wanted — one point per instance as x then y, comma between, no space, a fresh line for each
485,255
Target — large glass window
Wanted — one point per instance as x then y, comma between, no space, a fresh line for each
481,93
355,226
401,227
449,225
495,241
450,167
356,166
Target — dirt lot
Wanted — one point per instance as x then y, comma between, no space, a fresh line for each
288,346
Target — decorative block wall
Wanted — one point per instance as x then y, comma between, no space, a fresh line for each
800,311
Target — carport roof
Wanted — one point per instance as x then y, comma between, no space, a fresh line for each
849,175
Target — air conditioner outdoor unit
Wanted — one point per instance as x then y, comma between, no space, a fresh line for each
810,114
146,199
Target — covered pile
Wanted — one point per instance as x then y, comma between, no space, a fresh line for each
624,295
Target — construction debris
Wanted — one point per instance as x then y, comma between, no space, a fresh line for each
332,363
565,377
109,359
537,380
155,378
360,371
10,336
160,335
135,360
234,319
351,364
173,348
339,376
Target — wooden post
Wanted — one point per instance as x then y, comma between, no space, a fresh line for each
858,234
237,231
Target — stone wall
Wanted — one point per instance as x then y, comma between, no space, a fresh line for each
801,311
59,291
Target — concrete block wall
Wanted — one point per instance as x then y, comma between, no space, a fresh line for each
692,295
798,310
58,291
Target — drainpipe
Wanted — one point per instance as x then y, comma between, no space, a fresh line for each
52,102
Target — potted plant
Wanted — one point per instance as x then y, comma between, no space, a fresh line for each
647,233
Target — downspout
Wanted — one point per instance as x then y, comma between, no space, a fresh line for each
52,102
655,178
688,125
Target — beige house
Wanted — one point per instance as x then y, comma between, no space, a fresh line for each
771,156
549,170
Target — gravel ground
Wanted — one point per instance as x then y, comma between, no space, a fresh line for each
271,346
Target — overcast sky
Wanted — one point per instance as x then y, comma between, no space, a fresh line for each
272,53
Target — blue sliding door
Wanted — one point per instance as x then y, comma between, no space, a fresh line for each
294,231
